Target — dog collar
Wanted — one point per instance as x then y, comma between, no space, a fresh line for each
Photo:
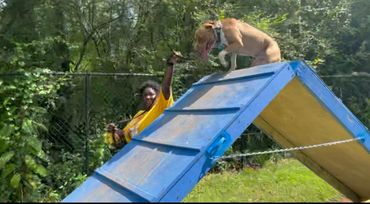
221,41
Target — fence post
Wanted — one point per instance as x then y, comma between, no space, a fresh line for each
87,119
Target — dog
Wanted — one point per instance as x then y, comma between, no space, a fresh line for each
237,38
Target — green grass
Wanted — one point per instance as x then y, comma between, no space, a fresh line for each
287,180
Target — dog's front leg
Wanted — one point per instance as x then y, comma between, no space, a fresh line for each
234,48
221,56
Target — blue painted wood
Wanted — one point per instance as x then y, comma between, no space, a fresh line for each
167,159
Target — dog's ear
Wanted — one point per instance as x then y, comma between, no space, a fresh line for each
209,25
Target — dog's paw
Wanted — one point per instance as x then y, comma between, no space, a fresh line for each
231,69
224,63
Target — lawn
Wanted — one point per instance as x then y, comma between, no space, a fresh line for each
287,180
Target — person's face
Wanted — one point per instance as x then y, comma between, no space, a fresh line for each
149,96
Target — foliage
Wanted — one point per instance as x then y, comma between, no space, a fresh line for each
61,182
23,115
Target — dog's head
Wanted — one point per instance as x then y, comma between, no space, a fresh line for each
205,39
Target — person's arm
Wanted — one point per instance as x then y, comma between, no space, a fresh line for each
168,76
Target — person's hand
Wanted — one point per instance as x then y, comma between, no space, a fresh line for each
111,127
172,59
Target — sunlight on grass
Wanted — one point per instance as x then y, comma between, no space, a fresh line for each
288,180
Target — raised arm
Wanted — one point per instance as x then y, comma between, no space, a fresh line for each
168,76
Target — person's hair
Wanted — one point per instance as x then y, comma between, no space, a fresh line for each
152,84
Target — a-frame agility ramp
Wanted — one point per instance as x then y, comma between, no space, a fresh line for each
286,100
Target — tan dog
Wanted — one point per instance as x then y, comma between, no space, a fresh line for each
239,38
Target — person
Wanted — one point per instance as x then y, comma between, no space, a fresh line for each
156,99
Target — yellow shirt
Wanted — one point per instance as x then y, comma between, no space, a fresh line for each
144,118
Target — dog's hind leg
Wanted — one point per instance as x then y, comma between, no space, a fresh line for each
272,53
259,60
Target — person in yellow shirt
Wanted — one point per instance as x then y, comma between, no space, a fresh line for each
156,99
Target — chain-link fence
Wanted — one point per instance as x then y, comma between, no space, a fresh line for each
85,104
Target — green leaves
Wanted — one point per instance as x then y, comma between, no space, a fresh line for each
23,120
27,127
31,163
7,170
34,143
4,158
5,131
15,180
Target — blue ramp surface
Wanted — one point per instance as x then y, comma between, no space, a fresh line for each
286,100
